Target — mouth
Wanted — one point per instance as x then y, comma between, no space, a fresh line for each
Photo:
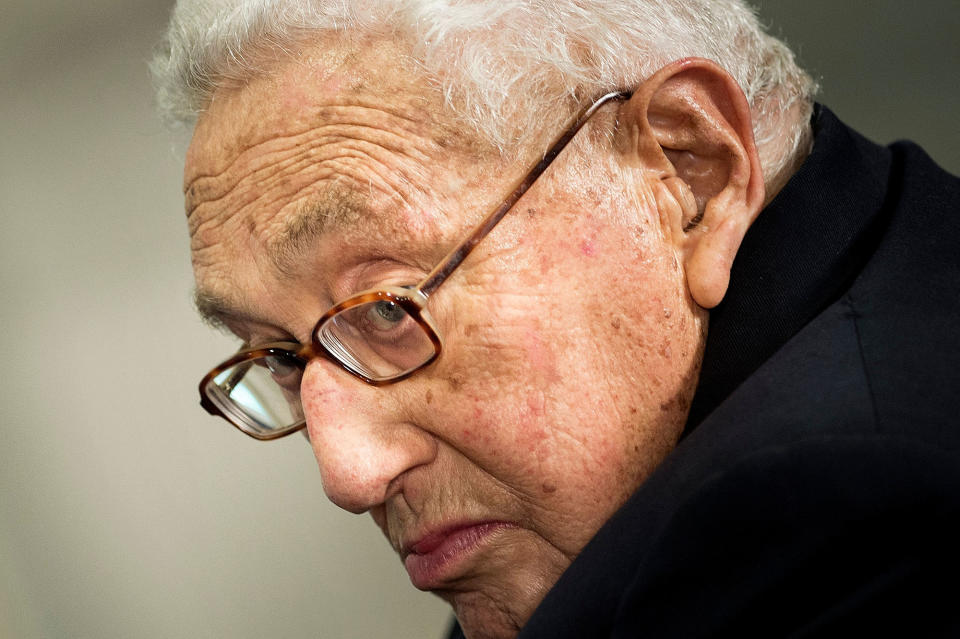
440,556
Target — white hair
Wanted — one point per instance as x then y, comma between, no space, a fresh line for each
501,64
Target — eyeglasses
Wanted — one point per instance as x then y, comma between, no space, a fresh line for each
380,336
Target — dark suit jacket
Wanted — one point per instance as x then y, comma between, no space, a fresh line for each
816,491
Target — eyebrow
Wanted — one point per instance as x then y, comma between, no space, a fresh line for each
336,210
214,309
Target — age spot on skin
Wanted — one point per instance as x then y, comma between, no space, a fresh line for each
545,264
549,488
429,397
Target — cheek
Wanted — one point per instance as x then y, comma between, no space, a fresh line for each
515,413
513,342
557,378
541,364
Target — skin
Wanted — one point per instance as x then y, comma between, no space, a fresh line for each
572,335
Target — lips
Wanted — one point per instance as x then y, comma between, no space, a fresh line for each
440,556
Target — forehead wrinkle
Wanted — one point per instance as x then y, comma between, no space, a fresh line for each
254,150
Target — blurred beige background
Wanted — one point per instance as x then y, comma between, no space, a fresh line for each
124,510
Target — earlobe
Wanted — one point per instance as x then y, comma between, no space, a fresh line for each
690,129
709,262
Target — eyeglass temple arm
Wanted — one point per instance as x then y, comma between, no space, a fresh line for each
453,259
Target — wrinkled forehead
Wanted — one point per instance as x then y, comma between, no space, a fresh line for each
332,136
292,92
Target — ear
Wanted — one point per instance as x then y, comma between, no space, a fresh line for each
689,128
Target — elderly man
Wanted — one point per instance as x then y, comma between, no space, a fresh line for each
611,330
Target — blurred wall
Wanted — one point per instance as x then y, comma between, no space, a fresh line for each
886,67
125,511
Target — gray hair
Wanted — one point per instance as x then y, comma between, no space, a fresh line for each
501,64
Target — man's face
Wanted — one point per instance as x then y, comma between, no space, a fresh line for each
570,345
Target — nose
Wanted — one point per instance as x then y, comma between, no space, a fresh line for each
360,436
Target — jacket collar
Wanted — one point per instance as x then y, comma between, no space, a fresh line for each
800,255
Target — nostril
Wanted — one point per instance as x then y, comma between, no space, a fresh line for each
353,492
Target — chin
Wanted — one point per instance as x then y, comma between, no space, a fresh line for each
481,617
500,610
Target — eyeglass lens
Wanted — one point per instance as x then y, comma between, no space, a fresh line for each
260,395
378,340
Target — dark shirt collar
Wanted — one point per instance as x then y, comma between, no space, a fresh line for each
799,256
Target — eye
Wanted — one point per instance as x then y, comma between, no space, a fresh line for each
385,315
280,368
285,371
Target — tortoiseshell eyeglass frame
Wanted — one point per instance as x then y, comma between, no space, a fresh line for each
412,300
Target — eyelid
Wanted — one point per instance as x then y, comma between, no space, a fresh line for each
381,274
259,342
